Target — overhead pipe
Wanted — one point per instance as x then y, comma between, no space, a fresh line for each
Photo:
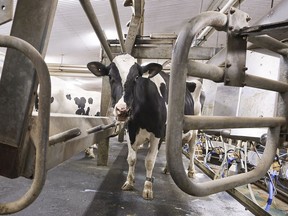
176,116
87,6
118,24
40,130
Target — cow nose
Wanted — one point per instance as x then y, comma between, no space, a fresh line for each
122,113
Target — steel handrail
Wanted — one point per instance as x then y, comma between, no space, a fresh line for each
40,130
176,117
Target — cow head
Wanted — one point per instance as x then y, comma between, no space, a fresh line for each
123,73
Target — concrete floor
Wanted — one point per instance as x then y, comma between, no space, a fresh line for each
79,188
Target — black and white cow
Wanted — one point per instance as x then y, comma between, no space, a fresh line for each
67,98
142,102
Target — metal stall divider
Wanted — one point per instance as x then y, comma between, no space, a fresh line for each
233,74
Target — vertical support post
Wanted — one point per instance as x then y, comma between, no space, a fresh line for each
32,23
102,155
103,145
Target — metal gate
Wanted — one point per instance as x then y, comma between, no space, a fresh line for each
233,74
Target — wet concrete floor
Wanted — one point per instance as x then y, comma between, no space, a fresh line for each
78,187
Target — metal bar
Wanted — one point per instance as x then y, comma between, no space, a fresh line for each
270,43
176,116
40,129
205,71
267,84
263,29
118,24
87,6
100,128
158,51
134,26
218,122
216,74
64,136
65,150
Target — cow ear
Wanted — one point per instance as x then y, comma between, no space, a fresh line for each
191,86
98,69
152,68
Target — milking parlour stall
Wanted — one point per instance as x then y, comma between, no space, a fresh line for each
143,107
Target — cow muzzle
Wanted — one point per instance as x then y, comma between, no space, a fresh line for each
122,114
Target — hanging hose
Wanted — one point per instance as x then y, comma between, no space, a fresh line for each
224,162
271,190
271,186
246,170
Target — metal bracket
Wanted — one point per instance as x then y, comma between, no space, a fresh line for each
6,11
236,49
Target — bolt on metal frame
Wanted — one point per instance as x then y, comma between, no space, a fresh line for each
177,121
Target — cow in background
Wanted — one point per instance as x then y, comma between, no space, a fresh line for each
67,98
142,103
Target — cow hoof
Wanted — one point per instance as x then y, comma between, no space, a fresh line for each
89,153
191,174
127,186
147,192
147,195
165,171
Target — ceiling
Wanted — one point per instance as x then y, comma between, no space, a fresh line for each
73,41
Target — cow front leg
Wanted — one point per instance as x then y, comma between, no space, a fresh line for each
149,165
131,159
192,148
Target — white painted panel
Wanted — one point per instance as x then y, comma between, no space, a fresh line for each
257,102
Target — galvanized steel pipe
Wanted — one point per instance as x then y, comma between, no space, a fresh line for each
176,117
264,83
64,136
270,43
87,6
216,74
40,130
205,71
118,24
216,122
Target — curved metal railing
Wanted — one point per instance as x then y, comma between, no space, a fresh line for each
177,121
40,130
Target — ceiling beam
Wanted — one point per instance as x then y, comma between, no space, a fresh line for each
87,6
134,25
118,24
